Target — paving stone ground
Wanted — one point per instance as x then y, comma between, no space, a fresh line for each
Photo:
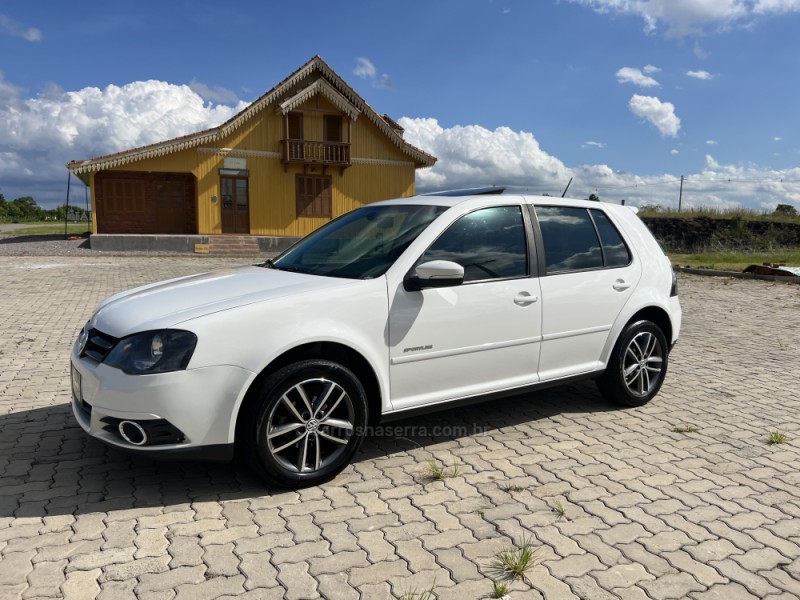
683,498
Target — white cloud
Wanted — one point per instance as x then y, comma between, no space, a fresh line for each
636,77
471,156
777,139
681,18
11,27
215,93
660,114
674,152
593,145
38,136
651,69
703,75
475,156
364,68
711,142
776,6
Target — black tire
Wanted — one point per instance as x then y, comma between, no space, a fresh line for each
637,365
295,442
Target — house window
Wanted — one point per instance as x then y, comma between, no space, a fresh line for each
313,195
295,120
333,128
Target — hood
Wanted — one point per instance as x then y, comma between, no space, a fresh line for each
168,303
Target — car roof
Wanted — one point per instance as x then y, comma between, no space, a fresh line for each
490,199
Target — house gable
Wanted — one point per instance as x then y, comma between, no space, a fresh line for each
296,88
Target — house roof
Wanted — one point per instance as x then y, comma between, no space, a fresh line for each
332,86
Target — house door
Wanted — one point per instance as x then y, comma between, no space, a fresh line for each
235,202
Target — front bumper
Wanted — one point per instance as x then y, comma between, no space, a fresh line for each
188,414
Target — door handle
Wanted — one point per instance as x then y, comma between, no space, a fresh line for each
524,298
621,285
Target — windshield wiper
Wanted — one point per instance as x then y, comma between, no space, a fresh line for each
267,264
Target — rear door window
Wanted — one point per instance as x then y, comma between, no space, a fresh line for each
577,239
570,239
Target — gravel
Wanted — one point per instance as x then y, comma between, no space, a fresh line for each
56,245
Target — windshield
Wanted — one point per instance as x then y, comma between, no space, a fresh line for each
361,244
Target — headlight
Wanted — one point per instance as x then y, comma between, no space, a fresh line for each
153,352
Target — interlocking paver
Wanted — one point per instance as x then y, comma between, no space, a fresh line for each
136,568
221,560
650,513
46,578
672,586
298,583
94,560
211,588
81,585
169,580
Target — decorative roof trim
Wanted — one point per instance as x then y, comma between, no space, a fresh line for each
382,162
320,86
334,82
143,153
243,153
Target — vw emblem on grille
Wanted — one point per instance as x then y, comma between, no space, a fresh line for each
82,339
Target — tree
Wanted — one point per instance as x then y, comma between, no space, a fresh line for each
594,198
785,210
20,210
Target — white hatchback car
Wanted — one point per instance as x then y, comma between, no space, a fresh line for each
398,307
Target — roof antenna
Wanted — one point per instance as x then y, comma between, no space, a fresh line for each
566,188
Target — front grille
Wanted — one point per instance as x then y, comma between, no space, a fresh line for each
98,345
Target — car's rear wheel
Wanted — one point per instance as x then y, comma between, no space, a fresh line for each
308,420
637,366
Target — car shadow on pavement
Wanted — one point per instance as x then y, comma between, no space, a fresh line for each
49,466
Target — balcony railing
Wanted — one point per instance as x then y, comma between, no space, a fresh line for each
322,153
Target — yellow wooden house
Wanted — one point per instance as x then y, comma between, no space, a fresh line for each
308,150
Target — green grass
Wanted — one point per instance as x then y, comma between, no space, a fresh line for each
499,589
735,261
558,509
514,563
414,595
714,213
685,429
777,437
510,487
49,229
436,471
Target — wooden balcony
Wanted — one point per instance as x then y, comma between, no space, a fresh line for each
307,152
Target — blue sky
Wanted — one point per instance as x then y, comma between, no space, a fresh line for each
623,95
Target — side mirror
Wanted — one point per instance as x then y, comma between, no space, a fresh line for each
434,274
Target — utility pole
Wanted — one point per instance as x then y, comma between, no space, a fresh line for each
680,195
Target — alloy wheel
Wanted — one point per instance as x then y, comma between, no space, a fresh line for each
642,365
310,426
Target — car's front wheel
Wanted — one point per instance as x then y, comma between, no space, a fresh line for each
637,366
308,420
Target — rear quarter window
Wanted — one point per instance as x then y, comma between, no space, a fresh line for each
615,252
